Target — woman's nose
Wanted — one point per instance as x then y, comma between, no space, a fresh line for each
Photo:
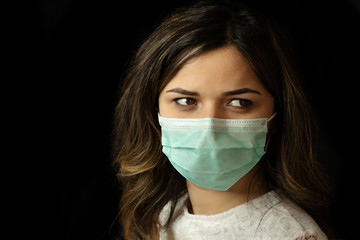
213,110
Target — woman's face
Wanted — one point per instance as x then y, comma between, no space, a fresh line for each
216,84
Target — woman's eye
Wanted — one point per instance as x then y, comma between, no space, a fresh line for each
240,103
185,101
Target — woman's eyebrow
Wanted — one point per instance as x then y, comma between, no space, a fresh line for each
183,92
240,91
230,93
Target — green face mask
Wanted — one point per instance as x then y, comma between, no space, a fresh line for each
213,153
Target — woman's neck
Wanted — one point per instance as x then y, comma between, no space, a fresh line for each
208,202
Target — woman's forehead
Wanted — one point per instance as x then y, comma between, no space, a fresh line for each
222,69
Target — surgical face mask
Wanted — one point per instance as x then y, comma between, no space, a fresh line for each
213,153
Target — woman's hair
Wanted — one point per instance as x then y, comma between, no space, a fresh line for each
147,177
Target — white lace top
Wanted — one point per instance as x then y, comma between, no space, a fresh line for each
266,217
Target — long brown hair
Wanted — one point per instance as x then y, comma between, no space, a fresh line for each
148,179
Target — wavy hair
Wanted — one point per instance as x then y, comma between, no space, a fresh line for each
147,177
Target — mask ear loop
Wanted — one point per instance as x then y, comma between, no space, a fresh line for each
267,143
268,138
272,116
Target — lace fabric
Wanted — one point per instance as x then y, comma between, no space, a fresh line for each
266,217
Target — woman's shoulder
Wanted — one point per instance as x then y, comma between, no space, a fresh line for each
165,212
270,216
286,218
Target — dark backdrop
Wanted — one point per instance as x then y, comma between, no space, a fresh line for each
62,62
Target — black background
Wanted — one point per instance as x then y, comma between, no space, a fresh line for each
62,63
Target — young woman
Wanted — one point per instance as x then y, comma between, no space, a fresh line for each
214,136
